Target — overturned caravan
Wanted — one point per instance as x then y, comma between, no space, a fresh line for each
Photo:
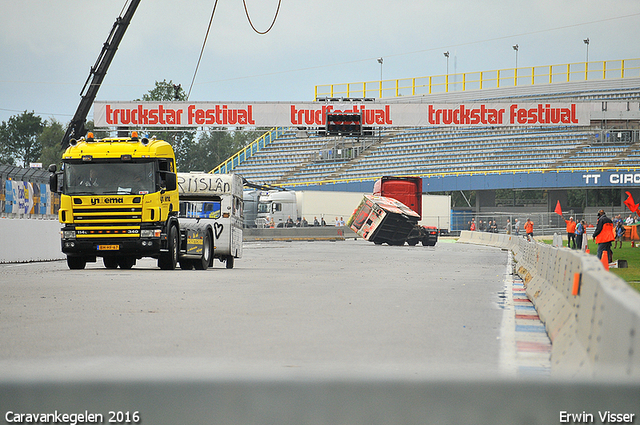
379,219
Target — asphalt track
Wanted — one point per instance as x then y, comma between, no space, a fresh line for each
286,306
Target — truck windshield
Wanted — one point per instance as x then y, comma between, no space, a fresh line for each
264,208
109,178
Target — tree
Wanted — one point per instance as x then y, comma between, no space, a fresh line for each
49,139
182,141
165,92
215,146
19,139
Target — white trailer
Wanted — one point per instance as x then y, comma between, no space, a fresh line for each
215,198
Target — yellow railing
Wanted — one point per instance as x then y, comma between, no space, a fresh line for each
243,154
512,77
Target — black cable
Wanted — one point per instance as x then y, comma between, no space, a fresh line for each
244,2
204,43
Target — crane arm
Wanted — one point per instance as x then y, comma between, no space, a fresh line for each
98,71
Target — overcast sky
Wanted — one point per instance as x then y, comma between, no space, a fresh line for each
48,46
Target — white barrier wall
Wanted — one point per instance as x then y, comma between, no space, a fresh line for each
595,333
24,240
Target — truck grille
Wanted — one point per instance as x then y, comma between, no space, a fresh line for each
107,222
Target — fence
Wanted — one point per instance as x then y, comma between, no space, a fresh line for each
525,76
545,223
25,192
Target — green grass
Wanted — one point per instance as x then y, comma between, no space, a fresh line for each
631,274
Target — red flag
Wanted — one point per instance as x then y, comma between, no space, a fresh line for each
630,204
558,209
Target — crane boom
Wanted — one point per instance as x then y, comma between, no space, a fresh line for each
76,127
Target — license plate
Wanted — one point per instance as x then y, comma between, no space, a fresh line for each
108,247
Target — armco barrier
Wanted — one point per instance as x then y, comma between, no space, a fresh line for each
24,240
594,333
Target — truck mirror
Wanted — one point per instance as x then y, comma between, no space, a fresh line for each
171,181
53,168
53,181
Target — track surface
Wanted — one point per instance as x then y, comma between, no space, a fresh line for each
299,306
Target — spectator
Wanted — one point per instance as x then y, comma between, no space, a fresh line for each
580,229
290,222
507,228
517,227
315,222
619,234
472,226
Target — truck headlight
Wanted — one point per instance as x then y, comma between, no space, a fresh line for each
150,233
68,234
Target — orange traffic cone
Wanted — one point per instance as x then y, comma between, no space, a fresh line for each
605,260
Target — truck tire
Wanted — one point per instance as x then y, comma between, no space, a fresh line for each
169,260
207,252
76,263
126,263
186,264
110,262
229,261
428,242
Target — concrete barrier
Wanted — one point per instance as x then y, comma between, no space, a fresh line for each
299,234
594,333
25,240
39,239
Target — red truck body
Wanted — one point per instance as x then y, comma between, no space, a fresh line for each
407,190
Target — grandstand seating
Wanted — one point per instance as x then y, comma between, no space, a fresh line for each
295,158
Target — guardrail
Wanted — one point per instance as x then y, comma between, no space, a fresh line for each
592,316
460,82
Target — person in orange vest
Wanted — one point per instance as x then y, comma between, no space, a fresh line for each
604,235
571,233
528,228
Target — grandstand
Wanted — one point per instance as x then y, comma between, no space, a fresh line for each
297,157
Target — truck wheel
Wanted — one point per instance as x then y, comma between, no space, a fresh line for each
126,262
186,264
76,263
110,262
203,262
169,260
229,261
428,242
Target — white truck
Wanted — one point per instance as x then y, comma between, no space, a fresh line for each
216,199
276,206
